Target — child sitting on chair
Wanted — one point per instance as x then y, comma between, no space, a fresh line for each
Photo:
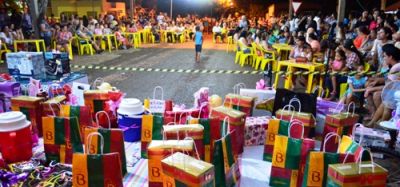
356,87
121,38
337,66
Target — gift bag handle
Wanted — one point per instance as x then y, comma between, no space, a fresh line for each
348,109
295,100
165,133
347,156
201,109
56,86
95,82
288,107
296,122
108,118
52,110
230,101
225,126
353,137
237,87
89,139
360,165
337,110
161,91
328,137
195,147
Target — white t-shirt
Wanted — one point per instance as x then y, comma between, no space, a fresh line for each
318,20
217,29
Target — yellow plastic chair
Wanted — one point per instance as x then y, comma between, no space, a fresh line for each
318,58
245,57
343,88
257,54
86,47
269,57
4,50
239,52
230,43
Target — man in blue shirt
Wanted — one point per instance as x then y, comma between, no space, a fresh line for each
198,41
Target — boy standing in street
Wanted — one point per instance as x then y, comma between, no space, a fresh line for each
198,40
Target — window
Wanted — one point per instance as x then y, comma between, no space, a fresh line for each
113,5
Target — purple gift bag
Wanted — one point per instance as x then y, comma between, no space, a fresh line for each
325,107
8,90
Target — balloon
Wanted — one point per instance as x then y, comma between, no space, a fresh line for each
215,101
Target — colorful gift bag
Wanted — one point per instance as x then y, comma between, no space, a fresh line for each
81,112
179,132
288,159
209,135
357,174
181,116
160,149
97,100
343,119
333,144
113,142
227,172
49,108
31,107
278,127
316,170
61,138
306,118
93,170
326,107
348,145
187,171
151,130
241,103
237,121
255,130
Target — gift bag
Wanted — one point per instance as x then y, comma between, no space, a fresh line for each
92,170
209,135
278,127
98,100
181,116
284,96
160,149
31,108
343,119
237,121
357,174
306,118
326,107
240,102
187,171
155,105
348,145
288,158
113,142
82,113
61,138
151,130
227,172
179,132
48,106
316,170
255,130
333,144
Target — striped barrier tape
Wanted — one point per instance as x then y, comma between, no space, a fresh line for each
205,71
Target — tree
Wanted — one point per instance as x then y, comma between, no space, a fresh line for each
37,10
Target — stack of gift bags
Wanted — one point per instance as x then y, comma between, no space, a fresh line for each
200,146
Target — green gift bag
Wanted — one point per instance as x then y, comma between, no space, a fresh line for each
357,174
316,169
96,170
151,130
227,171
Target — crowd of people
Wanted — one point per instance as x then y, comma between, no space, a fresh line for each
368,40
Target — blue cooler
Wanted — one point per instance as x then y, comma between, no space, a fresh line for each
130,114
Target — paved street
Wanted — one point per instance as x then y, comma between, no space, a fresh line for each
179,85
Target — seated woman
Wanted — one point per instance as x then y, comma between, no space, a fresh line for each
86,38
375,86
7,37
124,41
63,39
244,43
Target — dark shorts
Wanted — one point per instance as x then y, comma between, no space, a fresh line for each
198,48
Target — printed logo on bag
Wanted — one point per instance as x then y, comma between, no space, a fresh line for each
109,183
147,133
49,136
68,144
279,158
315,176
92,149
80,179
271,137
155,172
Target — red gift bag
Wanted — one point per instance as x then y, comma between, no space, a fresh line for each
343,119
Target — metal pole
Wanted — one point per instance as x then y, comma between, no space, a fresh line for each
132,10
171,9
290,9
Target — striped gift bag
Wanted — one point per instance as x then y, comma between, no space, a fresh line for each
61,138
151,130
80,112
93,170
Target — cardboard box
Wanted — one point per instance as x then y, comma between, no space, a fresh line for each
23,65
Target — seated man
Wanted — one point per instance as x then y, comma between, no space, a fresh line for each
217,30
